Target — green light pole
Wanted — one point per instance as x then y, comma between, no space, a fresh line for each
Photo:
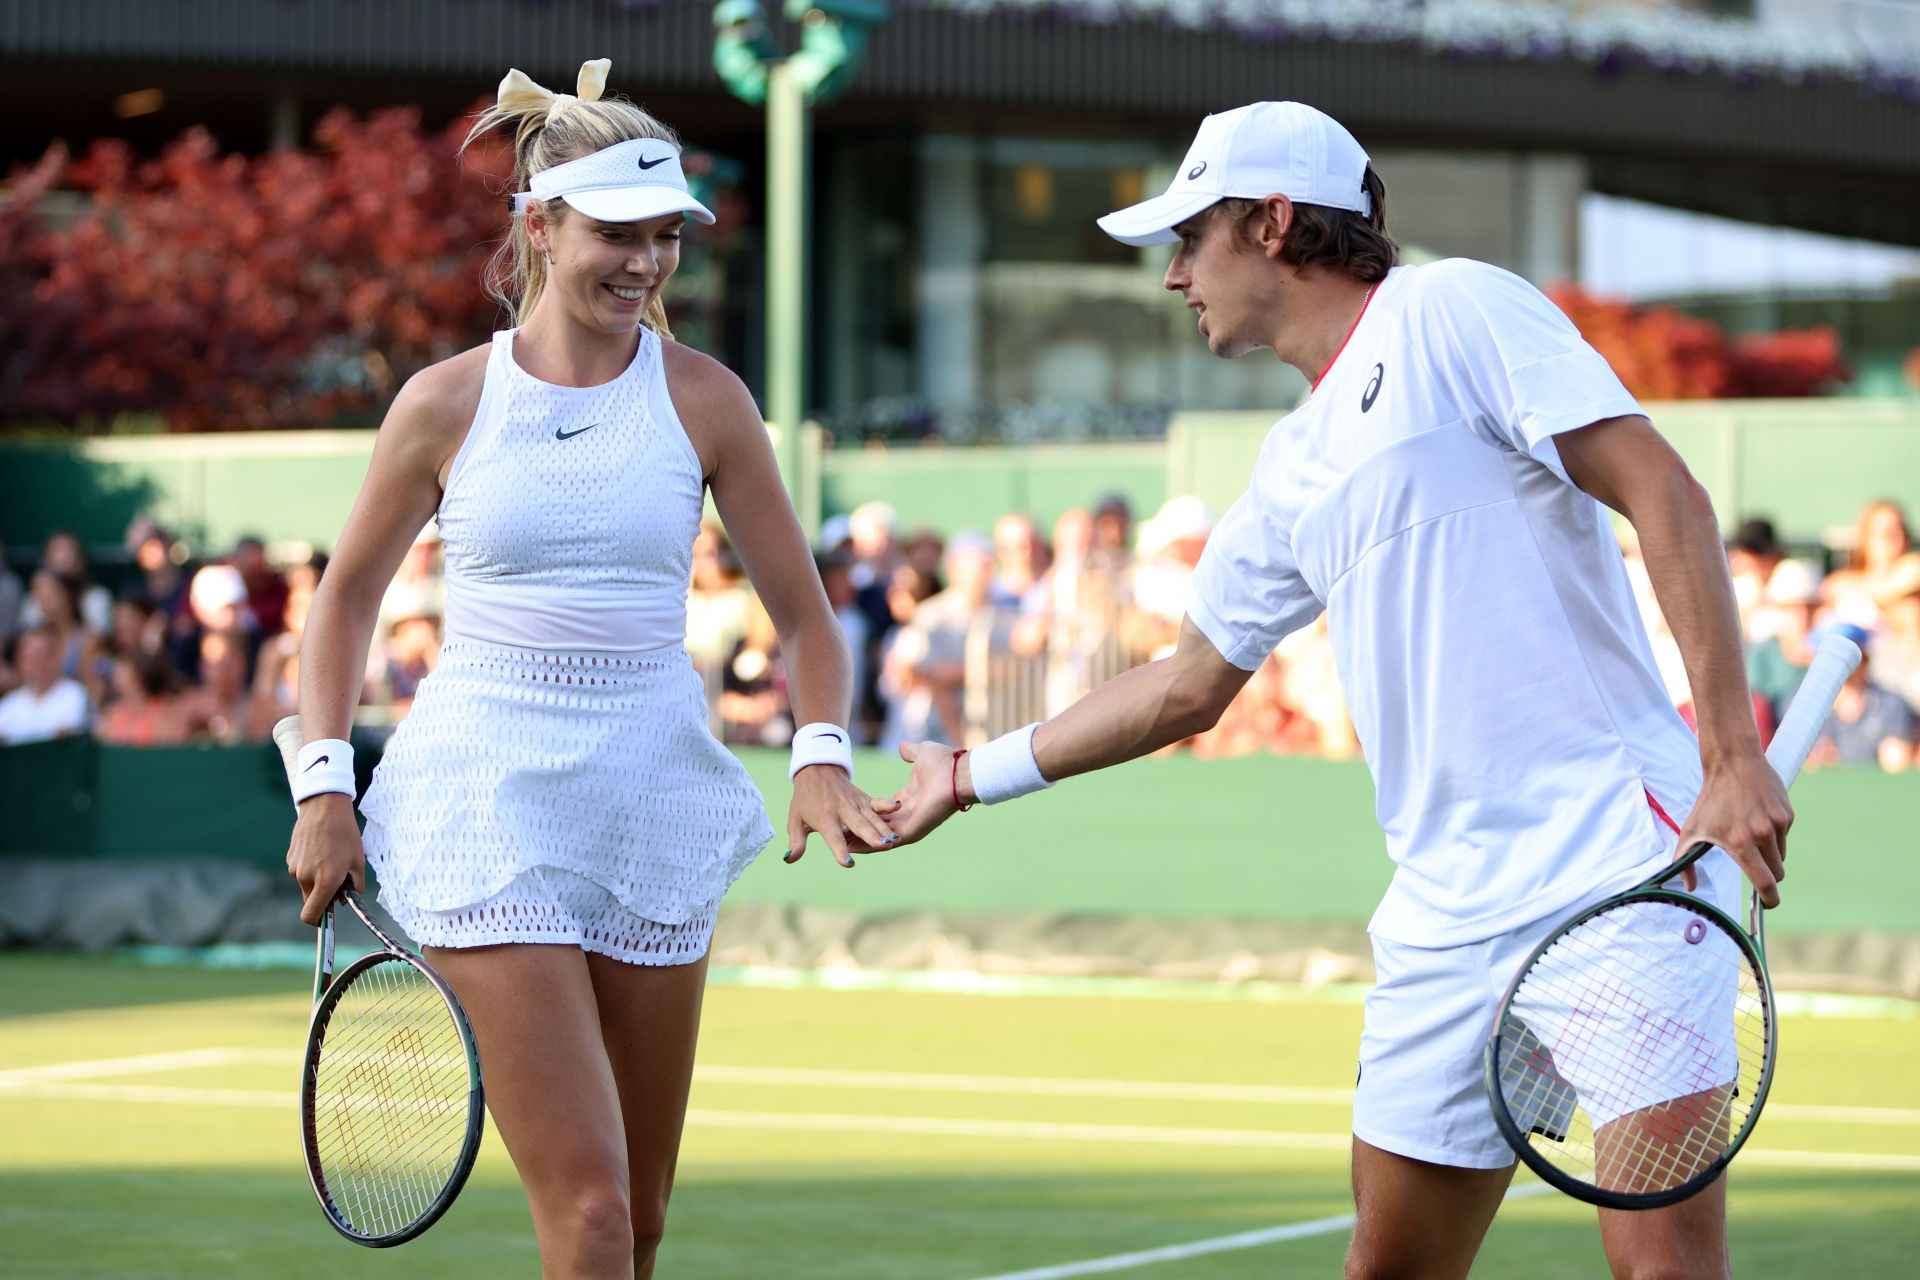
833,35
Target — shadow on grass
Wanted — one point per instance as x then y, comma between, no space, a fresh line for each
863,1223
42,982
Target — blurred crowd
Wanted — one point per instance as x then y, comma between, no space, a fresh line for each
1789,603
954,638
184,650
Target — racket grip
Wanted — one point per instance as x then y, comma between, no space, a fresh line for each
286,736
1800,728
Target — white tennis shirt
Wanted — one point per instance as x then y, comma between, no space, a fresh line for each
1499,677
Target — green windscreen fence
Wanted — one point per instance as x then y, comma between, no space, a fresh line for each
1261,837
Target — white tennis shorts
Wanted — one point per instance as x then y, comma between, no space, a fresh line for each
1421,1091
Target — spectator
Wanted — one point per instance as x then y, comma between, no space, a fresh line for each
1318,721
1896,650
1868,724
1169,547
419,586
924,671
924,551
47,704
836,536
266,589
161,580
65,558
1752,554
218,708
304,575
216,603
137,627
1884,567
143,710
909,587
836,577
411,653
719,603
1112,534
12,598
276,668
1777,661
53,603
754,710
1020,558
871,527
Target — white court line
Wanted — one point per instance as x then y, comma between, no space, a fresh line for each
932,1126
926,1082
1219,1244
939,1127
142,1064
191,1097
1037,1086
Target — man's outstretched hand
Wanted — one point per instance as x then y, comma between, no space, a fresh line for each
928,799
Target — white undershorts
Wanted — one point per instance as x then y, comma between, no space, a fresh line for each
1421,1091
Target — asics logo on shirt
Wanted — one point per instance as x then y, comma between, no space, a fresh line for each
558,434
1372,392
646,164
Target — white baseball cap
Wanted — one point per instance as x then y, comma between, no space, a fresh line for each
627,182
1250,153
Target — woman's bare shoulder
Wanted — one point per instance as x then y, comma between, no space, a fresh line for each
713,403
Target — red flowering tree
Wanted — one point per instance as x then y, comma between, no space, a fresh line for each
297,288
1663,355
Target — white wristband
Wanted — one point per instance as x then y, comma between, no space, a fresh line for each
326,765
820,743
1005,768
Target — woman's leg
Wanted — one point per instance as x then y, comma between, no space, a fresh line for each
543,1058
650,1016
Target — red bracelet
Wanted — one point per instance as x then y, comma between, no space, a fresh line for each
957,806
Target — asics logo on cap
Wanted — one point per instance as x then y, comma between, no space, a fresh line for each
646,164
1196,171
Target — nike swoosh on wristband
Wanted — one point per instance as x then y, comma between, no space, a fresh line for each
836,737
559,434
648,164
316,764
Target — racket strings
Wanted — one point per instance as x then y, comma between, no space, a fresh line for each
391,1093
1632,1049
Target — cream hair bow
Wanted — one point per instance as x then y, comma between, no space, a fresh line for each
519,92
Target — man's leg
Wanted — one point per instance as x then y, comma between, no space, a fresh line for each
1686,1241
1418,1220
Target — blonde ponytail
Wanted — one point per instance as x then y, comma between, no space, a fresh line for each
549,129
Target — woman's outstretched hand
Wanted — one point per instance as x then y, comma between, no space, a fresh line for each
847,818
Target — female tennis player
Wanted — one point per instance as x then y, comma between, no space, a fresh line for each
553,822
1439,495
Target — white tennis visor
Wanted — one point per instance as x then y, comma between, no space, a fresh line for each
1250,153
627,182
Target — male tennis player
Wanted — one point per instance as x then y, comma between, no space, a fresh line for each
1440,494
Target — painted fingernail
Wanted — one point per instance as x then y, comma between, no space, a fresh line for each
890,839
791,855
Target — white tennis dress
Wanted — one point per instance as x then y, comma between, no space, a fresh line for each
555,780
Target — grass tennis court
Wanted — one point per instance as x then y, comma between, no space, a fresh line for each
146,1130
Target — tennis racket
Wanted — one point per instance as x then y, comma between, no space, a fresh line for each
1634,1049
391,1109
